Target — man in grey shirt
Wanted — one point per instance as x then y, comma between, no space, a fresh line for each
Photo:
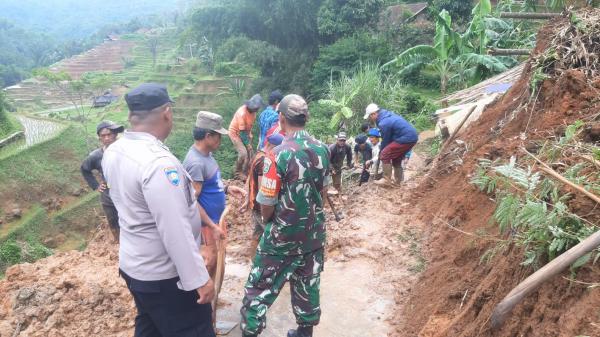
159,255
206,179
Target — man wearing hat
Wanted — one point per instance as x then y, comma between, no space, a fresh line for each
292,190
268,117
253,182
399,137
206,178
240,132
159,253
374,164
338,152
107,132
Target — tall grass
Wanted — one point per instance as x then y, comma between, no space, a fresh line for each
372,85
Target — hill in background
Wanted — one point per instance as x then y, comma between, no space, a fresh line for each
71,19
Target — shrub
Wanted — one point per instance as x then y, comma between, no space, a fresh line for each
533,210
10,253
234,68
369,85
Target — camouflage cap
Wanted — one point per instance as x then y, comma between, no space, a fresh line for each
293,105
210,121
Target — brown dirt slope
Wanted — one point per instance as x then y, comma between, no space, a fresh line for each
455,296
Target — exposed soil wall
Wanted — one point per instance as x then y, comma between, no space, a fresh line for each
455,296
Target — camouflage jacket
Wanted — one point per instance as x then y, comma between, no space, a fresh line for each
294,175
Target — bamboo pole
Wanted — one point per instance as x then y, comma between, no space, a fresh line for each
550,270
528,16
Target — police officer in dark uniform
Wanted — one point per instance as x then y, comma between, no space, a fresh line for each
159,253
107,132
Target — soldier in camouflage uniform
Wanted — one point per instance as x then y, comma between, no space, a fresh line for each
296,176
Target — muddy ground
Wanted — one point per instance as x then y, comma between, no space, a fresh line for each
373,259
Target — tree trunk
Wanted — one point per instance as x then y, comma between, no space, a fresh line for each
443,84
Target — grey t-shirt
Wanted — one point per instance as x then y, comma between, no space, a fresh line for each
201,167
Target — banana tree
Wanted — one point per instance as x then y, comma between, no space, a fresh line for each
477,30
341,108
438,57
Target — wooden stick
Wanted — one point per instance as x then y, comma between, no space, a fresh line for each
562,179
508,52
590,159
550,270
528,16
455,133
220,272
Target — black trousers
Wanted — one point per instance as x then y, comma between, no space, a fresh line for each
164,310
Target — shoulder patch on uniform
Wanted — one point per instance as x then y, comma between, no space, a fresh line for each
172,175
267,165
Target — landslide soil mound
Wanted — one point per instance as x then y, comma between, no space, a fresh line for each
455,296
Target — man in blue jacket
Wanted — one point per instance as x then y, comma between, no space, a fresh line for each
398,138
268,117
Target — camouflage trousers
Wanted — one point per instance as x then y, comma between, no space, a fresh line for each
267,277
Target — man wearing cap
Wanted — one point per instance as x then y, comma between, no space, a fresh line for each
292,190
206,178
268,117
159,254
338,152
240,132
107,132
253,183
399,137
374,164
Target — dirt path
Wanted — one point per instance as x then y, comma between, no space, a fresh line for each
372,261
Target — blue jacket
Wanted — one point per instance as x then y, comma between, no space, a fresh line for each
265,121
394,128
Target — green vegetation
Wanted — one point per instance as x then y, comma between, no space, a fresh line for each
535,210
348,97
8,124
46,168
458,56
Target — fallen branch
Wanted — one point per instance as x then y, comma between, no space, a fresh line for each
588,284
591,160
562,179
550,270
486,237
